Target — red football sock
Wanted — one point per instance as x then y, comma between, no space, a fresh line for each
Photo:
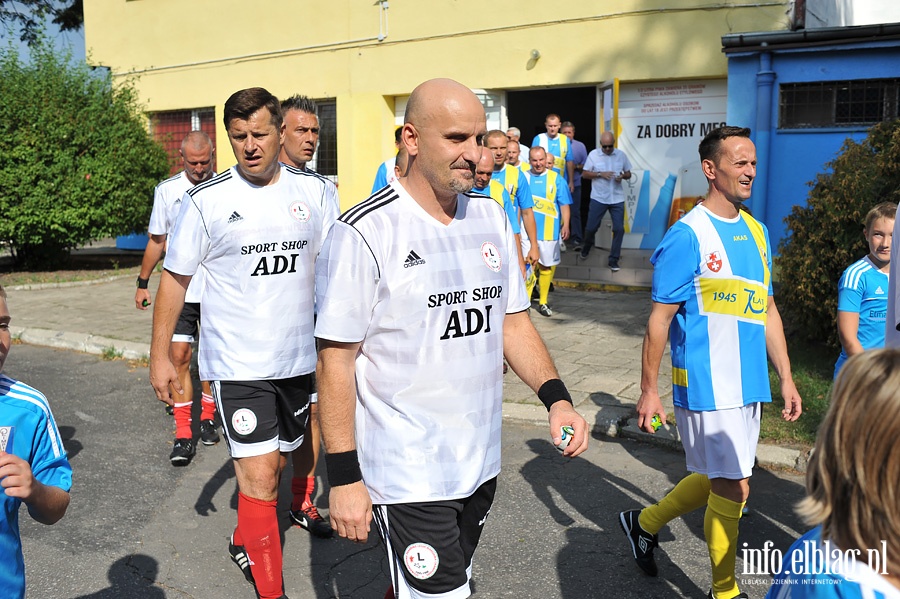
302,489
258,522
207,407
183,421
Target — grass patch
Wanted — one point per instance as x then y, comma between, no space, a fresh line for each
813,367
111,353
79,267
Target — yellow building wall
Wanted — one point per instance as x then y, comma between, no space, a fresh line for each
195,54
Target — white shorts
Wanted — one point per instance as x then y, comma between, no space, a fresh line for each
549,251
720,443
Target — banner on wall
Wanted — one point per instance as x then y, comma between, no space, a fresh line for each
660,126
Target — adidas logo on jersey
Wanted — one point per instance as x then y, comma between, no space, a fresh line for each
879,291
413,260
235,217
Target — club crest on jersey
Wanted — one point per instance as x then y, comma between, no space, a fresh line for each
714,261
421,560
300,211
491,256
243,421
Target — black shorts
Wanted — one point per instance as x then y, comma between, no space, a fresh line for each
260,417
430,545
188,325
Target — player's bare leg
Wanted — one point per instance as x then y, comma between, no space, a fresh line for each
303,484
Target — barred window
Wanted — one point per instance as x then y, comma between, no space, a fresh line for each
170,127
837,103
326,155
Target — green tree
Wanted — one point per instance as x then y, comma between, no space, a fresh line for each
27,16
826,235
79,164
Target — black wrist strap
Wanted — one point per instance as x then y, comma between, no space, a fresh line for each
343,468
142,283
553,391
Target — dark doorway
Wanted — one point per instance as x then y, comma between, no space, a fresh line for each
527,110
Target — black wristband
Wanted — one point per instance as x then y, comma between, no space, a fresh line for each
142,283
553,391
343,468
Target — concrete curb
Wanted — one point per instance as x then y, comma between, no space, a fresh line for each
607,422
39,286
767,456
91,344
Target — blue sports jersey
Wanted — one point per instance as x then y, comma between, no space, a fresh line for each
496,191
516,183
864,289
559,147
549,192
719,271
826,572
34,438
385,174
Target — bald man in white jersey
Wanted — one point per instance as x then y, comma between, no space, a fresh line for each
255,230
198,157
419,299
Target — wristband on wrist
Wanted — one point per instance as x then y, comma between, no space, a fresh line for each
142,283
343,468
553,391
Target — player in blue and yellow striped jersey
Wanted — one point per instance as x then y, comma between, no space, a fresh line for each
863,288
559,146
712,296
516,184
551,215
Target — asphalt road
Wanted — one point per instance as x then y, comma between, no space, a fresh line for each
139,528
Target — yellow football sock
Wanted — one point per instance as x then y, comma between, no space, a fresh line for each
689,494
721,528
544,284
529,284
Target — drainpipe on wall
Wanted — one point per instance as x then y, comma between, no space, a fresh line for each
765,78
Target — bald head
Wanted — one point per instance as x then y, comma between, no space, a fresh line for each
484,169
607,142
197,155
196,139
443,129
537,158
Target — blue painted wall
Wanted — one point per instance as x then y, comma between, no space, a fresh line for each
794,157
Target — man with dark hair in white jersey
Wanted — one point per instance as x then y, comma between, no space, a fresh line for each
419,299
301,137
255,230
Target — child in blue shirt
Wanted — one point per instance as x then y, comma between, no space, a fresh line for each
863,288
33,465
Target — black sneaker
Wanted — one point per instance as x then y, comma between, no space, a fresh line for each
182,452
309,518
239,557
642,542
544,310
614,265
208,433
170,410
577,246
739,596
584,252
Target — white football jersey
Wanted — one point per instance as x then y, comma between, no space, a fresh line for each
427,301
257,246
166,206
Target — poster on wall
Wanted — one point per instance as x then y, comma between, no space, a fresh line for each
660,126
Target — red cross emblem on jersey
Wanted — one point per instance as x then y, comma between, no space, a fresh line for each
714,262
